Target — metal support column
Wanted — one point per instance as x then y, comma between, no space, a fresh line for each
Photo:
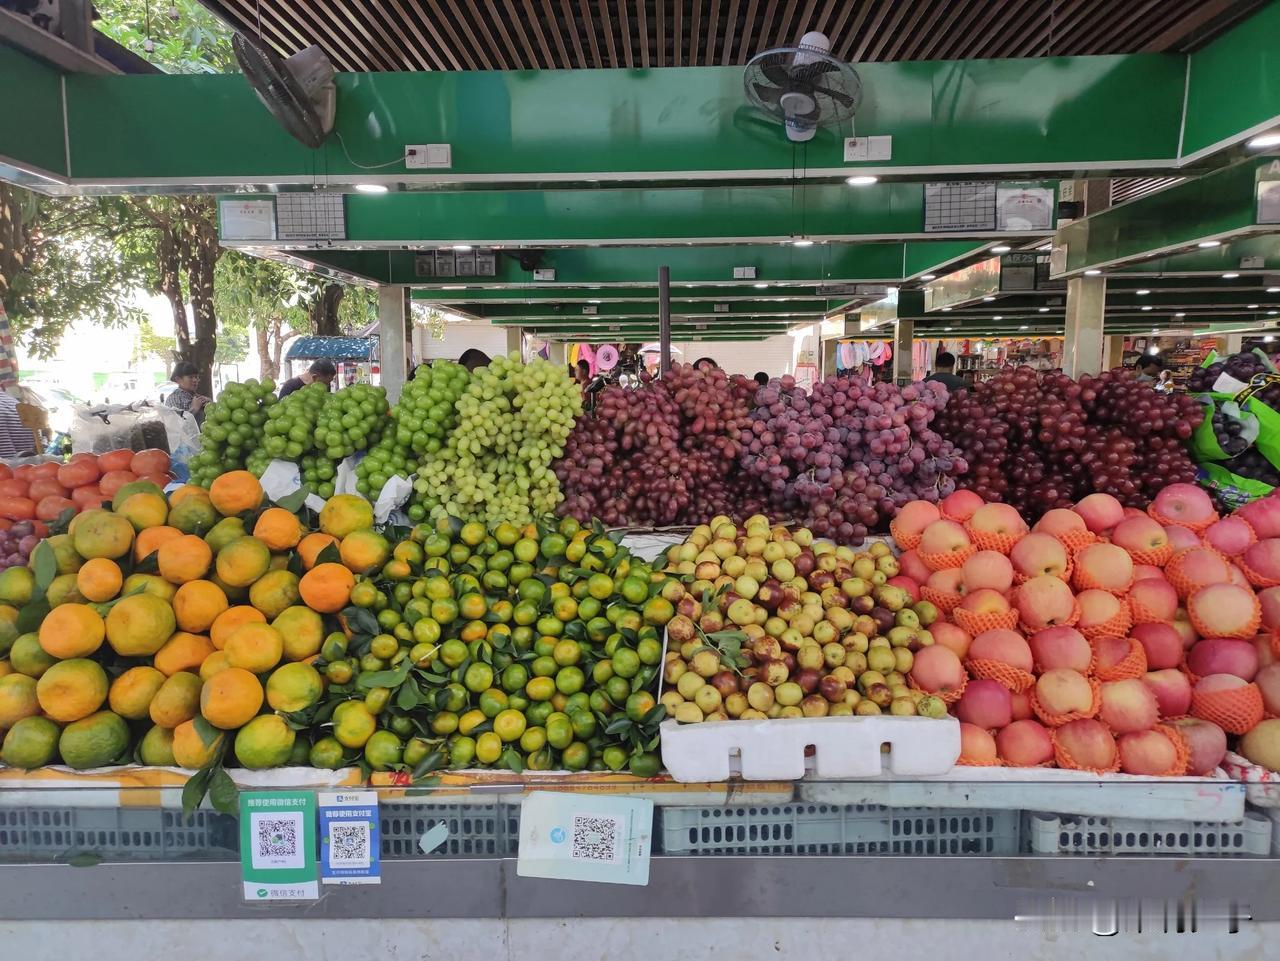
557,352
1086,306
904,332
515,341
391,336
664,318
1113,351
827,364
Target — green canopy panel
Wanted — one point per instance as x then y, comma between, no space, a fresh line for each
360,349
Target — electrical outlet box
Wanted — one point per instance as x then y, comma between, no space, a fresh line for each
544,273
429,156
744,273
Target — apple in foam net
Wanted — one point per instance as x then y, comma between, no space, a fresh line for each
1162,643
1020,705
1044,601
1172,691
986,704
977,744
1059,522
1139,534
1007,647
1153,600
1062,647
1088,743
937,670
1268,681
1196,567
1231,535
1110,651
1223,655
914,516
911,565
998,519
944,537
1101,512
1188,504
1097,607
1269,599
1103,565
1238,577
1186,630
1064,691
1263,516
1224,610
1147,752
1180,538
951,636
960,505
1025,743
985,601
988,569
1128,705
1146,572
1038,554
950,580
1206,744
1264,558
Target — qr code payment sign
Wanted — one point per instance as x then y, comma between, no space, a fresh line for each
596,838
349,845
276,840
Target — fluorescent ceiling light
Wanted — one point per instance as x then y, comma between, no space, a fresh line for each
759,286
1230,275
372,188
998,317
1251,306
1148,307
461,246
1023,327
1206,244
988,299
1045,247
928,276
454,287
948,328
1181,313
1001,249
1044,310
1268,339
1092,272
861,180
1264,140
1273,290
1153,349
946,310
802,242
1143,292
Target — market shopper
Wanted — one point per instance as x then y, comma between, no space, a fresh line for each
704,364
187,377
944,372
1148,367
472,358
16,439
320,372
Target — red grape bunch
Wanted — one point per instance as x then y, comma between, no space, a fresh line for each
1042,440
845,457
663,454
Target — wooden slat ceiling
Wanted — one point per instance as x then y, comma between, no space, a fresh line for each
373,35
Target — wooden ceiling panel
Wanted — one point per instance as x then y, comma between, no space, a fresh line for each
560,34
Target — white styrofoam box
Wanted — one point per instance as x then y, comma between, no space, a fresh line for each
1262,787
1044,789
1051,834
774,750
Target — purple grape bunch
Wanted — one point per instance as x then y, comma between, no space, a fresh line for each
843,458
16,545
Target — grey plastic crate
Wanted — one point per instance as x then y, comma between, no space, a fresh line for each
475,830
1062,834
837,829
115,834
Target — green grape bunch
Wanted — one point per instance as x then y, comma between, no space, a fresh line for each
420,423
513,421
317,474
350,420
291,424
232,429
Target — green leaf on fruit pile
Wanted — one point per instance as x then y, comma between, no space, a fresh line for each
367,680
292,502
360,620
655,715
223,793
433,761
207,732
44,565
408,697
618,725
149,564
194,790
64,520
513,761
32,615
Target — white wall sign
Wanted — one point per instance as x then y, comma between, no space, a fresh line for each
247,219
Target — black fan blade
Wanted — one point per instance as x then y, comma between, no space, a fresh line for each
278,90
778,74
811,71
838,96
767,94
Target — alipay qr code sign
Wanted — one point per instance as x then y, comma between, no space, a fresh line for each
349,838
278,845
583,837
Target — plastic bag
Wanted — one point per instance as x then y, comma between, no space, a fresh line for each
141,426
1232,489
1239,428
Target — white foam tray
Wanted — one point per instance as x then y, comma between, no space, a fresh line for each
1045,789
774,750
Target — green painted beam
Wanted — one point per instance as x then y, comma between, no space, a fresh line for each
674,125
32,146
1220,205
507,312
1201,265
549,294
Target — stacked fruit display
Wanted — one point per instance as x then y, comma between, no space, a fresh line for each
665,453
1103,638
496,465
205,629
289,433
1242,391
233,429
773,624
1042,440
847,456
33,494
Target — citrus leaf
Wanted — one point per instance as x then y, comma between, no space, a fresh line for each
292,502
194,790
208,733
654,715
223,793
360,620
513,760
32,615
618,725
149,564
45,565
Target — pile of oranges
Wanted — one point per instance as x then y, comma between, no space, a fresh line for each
171,630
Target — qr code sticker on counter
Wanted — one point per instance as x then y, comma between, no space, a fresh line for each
276,841
349,844
595,838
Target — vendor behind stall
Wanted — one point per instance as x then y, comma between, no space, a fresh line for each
16,440
320,372
187,377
